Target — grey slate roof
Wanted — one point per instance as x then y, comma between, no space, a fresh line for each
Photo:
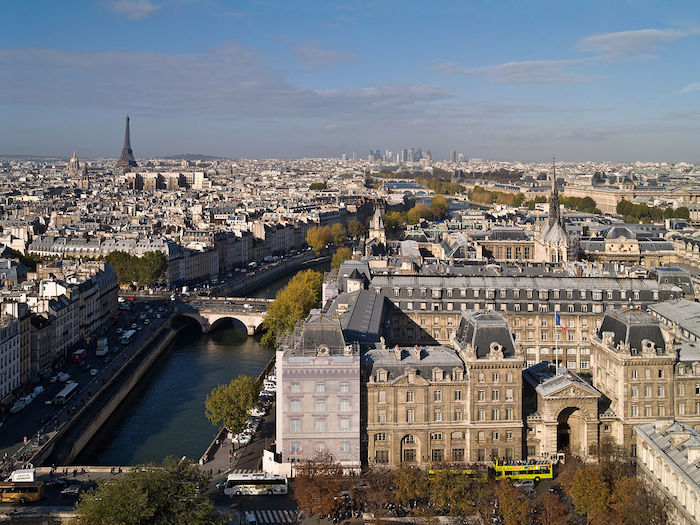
632,327
544,379
431,357
482,329
364,318
684,313
677,456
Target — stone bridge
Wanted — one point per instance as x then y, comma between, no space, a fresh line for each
208,311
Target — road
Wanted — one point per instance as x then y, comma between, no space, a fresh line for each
41,418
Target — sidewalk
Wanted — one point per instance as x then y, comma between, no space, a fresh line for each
246,457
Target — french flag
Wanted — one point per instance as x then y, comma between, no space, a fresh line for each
557,321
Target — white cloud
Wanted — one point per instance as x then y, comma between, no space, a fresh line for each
638,43
313,56
134,9
525,72
691,88
229,81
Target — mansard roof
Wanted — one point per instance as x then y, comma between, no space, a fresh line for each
632,327
481,330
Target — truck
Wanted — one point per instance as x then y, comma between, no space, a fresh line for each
102,347
79,356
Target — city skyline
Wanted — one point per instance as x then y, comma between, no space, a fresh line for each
513,82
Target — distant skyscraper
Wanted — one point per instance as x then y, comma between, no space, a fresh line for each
453,156
354,156
127,157
460,157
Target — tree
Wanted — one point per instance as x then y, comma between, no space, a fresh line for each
150,267
341,254
292,304
357,229
551,510
379,491
410,484
173,493
450,489
229,403
513,505
121,262
317,186
438,207
340,234
634,504
318,237
318,484
589,491
393,220
418,212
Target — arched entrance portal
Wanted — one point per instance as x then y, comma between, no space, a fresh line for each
571,430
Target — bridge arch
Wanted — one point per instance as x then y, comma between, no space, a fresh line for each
209,321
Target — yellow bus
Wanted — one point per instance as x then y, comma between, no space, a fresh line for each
479,472
21,492
537,470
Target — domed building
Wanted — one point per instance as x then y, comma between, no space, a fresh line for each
74,165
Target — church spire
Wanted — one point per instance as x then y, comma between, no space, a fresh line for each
554,201
127,157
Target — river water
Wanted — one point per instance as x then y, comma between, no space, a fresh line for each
164,415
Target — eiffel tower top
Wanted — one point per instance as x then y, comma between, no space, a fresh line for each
127,157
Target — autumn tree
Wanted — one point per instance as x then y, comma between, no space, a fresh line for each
453,490
438,207
341,254
551,510
589,491
339,233
393,220
317,484
417,213
357,229
411,484
635,504
318,237
513,504
379,491
317,186
229,403
171,493
292,304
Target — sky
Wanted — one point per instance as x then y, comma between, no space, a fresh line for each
495,79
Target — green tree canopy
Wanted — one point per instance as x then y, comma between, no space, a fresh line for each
340,234
143,270
229,403
171,494
410,484
633,213
318,237
292,304
342,254
318,186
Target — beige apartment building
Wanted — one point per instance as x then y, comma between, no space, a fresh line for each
428,405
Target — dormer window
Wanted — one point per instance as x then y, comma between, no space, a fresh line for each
438,374
382,375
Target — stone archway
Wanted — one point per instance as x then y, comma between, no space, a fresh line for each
571,430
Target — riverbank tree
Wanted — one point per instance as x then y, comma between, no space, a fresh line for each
171,493
143,270
228,404
292,304
341,254
318,237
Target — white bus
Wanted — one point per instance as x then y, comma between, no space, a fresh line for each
127,337
254,484
64,395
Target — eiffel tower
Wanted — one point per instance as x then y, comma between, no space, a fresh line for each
127,158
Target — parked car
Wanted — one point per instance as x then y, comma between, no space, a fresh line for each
59,482
73,491
94,371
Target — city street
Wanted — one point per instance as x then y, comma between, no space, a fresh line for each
41,418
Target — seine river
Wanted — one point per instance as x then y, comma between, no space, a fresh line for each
164,415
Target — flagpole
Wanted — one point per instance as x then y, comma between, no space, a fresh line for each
556,344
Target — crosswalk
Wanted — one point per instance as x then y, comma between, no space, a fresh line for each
275,516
